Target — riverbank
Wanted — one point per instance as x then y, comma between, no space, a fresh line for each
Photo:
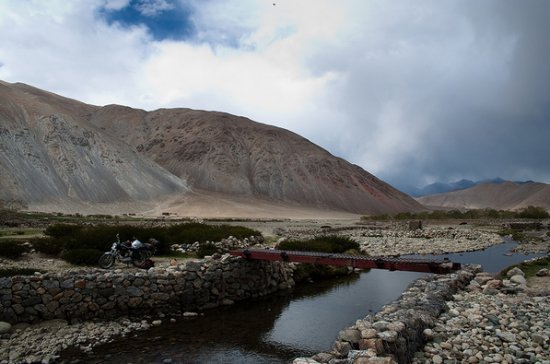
45,341
74,308
490,323
467,317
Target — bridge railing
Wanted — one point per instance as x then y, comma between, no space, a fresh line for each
355,261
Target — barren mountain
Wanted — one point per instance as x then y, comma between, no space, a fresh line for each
50,153
499,196
54,148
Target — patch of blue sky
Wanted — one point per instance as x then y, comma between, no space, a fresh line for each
165,19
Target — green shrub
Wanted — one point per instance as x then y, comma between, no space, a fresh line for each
82,256
206,249
529,268
62,230
326,244
12,249
100,237
192,232
48,246
533,212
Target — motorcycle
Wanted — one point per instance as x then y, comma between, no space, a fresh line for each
139,257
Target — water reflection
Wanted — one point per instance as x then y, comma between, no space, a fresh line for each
493,259
312,323
270,330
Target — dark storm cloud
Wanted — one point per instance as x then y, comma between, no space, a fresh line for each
412,91
453,90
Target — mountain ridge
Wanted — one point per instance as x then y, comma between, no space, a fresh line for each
59,151
443,187
500,196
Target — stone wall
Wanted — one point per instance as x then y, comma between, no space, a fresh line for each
95,293
399,329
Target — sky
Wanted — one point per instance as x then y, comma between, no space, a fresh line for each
412,91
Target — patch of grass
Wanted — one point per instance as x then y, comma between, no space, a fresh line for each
19,233
271,239
529,268
10,272
516,234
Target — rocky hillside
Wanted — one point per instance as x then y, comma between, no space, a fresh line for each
51,153
499,196
54,148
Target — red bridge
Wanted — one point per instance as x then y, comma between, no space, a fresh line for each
355,261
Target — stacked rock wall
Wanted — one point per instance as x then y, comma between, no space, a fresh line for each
397,331
90,294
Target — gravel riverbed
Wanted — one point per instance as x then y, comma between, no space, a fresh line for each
480,326
490,324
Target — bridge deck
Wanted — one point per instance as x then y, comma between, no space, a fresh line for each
363,262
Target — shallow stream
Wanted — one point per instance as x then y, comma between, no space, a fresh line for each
281,327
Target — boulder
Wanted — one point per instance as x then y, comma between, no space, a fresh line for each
350,335
518,279
5,327
515,271
305,361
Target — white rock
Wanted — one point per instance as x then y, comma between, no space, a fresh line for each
515,271
518,279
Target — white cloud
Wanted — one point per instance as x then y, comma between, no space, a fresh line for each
116,4
154,7
399,88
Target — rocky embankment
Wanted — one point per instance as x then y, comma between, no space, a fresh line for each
71,307
42,343
493,321
461,318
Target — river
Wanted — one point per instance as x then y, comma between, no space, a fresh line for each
278,328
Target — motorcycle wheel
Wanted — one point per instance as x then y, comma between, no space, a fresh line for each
106,260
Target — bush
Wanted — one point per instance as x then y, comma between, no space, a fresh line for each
82,256
533,212
62,230
530,268
325,244
206,249
48,246
192,232
11,249
100,237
